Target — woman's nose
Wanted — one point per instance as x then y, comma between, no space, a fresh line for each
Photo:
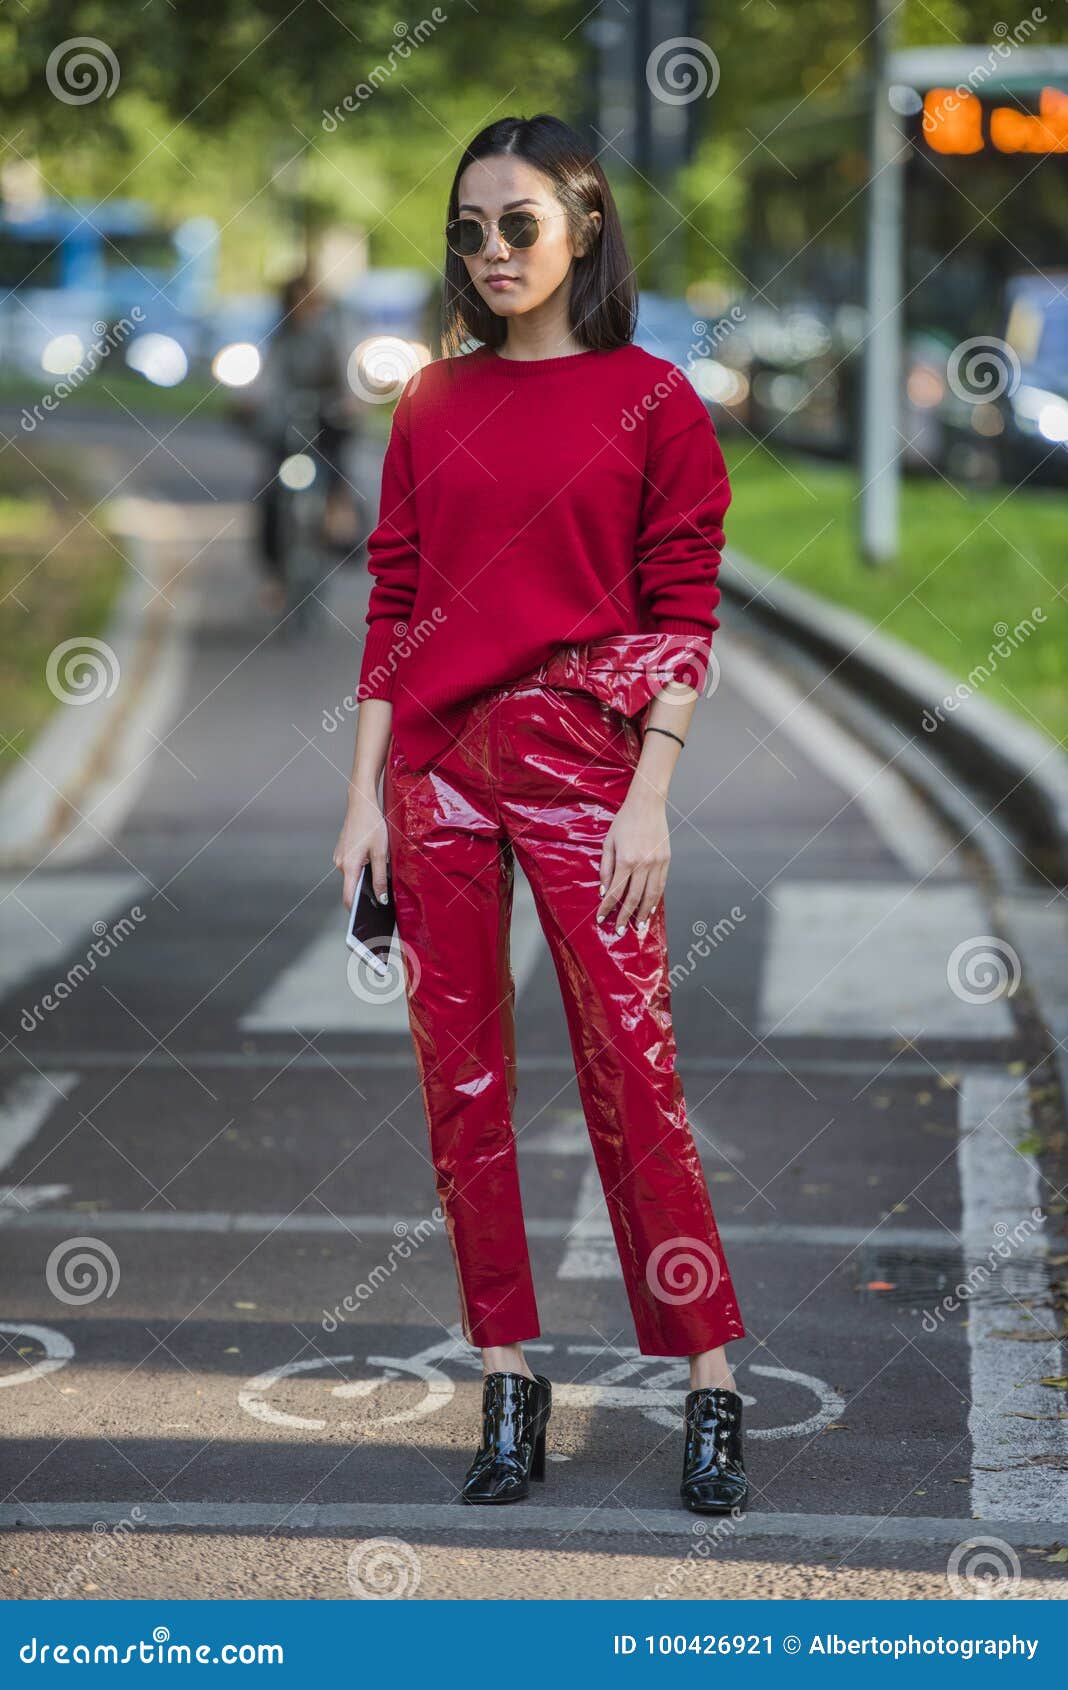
495,247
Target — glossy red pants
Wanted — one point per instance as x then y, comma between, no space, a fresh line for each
537,773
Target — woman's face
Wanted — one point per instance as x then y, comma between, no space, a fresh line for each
512,281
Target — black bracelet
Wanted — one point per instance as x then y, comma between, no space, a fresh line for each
665,731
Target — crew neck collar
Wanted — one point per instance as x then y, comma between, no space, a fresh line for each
529,366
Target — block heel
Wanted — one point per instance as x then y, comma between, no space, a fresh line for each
515,1413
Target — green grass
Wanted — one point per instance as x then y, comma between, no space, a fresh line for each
970,562
119,391
58,580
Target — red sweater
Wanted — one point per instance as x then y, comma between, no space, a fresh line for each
527,504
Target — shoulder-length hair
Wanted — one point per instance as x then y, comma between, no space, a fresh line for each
604,299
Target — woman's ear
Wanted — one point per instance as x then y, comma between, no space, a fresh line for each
593,230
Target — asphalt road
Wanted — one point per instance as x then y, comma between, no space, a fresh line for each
234,1123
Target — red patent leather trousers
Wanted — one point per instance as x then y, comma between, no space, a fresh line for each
538,772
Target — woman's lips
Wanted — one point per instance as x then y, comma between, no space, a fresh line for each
500,283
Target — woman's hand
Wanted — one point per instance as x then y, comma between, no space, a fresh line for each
637,850
635,858
363,838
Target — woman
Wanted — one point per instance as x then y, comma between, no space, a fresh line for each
545,563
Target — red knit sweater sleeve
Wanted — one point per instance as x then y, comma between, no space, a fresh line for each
680,531
393,562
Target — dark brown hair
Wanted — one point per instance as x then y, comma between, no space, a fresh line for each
603,294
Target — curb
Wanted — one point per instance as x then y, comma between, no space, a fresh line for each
73,766
1005,759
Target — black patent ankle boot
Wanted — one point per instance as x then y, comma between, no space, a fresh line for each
713,1472
515,1413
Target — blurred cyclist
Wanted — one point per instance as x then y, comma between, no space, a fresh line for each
305,353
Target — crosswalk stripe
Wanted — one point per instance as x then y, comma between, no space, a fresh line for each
591,1250
46,917
313,993
26,1106
871,959
904,822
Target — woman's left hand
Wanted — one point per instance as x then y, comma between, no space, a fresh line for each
634,862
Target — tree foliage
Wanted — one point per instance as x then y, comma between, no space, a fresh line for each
239,106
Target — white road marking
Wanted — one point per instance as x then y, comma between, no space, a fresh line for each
26,1106
440,1391
413,1518
357,1226
653,1385
23,1111
56,1345
355,1057
1017,1461
46,917
660,1401
591,1248
850,959
565,1135
904,823
20,1199
313,993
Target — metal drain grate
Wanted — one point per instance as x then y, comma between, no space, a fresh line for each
921,1278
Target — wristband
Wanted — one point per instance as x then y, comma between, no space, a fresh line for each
665,731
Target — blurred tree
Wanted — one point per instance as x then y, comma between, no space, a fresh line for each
240,109
237,106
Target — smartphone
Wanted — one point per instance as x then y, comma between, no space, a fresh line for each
371,924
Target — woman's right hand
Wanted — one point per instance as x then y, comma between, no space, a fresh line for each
363,838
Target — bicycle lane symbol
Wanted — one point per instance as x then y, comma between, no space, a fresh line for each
651,1384
56,1346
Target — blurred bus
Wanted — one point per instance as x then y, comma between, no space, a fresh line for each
67,272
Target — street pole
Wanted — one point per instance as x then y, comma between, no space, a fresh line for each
882,372
675,74
609,102
645,104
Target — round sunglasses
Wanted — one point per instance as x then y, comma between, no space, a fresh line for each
466,236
